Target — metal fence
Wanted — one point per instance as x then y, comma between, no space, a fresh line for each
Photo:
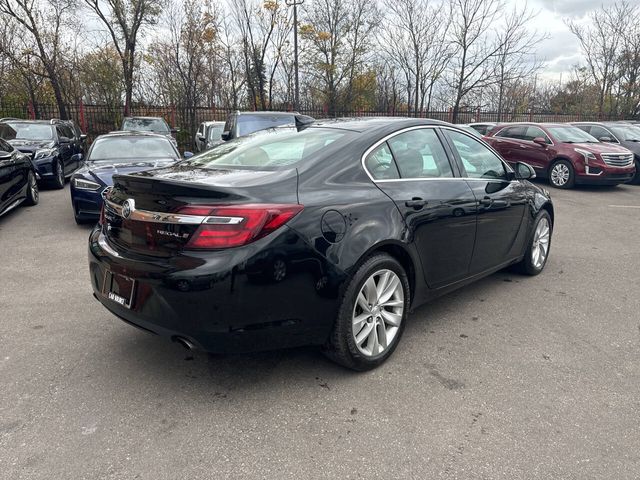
99,119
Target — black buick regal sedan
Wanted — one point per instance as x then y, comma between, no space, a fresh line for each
327,235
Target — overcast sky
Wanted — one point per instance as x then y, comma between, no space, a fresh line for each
561,50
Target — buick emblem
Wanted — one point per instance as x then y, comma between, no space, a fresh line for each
128,207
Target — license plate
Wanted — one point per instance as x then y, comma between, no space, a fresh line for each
119,288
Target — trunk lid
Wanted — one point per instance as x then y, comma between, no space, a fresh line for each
157,212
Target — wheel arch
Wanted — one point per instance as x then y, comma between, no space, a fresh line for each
556,159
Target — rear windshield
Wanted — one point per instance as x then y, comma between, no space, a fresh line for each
571,135
145,125
26,131
125,149
272,148
252,123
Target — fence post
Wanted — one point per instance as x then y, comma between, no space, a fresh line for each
83,120
478,114
530,115
173,116
31,111
450,114
213,110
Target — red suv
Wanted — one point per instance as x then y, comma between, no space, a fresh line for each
563,153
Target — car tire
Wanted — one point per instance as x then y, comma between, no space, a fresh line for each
538,247
58,180
33,194
363,339
562,174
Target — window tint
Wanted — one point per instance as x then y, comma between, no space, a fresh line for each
420,154
599,132
535,132
248,124
478,160
381,165
517,132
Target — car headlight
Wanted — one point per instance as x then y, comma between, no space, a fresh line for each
587,155
82,184
43,153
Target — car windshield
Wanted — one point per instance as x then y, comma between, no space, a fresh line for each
146,125
26,131
571,135
272,148
248,123
627,133
130,149
215,131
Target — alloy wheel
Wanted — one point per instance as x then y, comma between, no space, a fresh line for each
540,247
378,313
560,174
33,186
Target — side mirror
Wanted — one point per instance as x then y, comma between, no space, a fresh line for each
226,135
540,141
78,157
187,154
199,136
524,171
605,139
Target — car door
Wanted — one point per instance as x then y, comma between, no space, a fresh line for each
7,172
438,207
506,141
65,150
500,198
532,153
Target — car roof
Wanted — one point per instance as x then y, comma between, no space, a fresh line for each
267,113
21,120
132,133
374,123
536,124
144,118
213,122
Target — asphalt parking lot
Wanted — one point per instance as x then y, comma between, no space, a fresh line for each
512,377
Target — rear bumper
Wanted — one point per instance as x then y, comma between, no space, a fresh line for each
226,301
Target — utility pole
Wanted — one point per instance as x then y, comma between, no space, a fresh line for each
296,97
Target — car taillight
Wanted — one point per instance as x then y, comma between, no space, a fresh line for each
233,226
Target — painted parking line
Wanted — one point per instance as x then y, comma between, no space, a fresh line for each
624,206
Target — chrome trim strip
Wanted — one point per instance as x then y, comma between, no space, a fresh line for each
452,127
174,218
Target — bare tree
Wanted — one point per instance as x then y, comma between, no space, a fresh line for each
125,21
41,22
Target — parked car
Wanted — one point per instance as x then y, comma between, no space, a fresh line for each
563,153
470,129
618,133
483,127
150,124
326,235
118,152
208,135
240,124
54,146
18,179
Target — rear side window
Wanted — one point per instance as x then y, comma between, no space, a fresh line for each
420,154
381,165
477,159
517,132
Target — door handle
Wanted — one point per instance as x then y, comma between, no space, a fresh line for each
416,203
486,201
490,202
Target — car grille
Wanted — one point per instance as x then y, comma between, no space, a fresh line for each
618,159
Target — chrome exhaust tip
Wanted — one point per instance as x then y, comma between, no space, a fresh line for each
184,342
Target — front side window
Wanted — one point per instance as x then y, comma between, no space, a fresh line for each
477,159
598,132
420,154
535,132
